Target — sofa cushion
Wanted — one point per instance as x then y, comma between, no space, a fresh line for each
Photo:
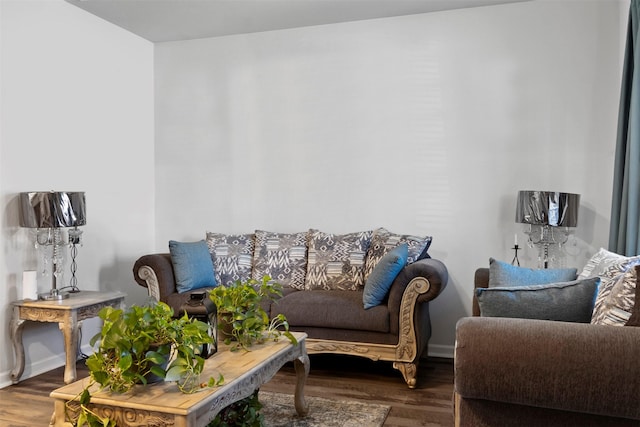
331,309
336,261
566,301
382,241
232,256
192,265
283,257
379,282
503,274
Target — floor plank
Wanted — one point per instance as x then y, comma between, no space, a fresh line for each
27,404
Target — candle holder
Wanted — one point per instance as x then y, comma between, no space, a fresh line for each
515,260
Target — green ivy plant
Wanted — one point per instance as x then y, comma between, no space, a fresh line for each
241,316
143,343
243,413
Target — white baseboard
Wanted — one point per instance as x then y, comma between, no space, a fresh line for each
40,367
37,367
444,351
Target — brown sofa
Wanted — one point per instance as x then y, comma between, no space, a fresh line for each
335,321
523,372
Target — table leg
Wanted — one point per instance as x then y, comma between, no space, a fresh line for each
69,328
17,325
301,365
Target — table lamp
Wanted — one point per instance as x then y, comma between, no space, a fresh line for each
49,212
549,216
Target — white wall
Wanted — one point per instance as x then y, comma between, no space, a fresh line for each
77,115
425,124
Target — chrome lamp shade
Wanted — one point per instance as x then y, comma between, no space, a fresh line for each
49,212
53,209
548,208
550,215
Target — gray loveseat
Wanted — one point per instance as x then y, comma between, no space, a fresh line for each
335,320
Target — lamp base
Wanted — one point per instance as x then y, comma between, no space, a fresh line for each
53,296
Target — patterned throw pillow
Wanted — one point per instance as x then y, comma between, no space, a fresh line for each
608,279
283,257
382,241
599,263
634,320
232,256
336,261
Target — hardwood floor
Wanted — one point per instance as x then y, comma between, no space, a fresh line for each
27,404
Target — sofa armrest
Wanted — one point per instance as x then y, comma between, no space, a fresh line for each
433,270
155,272
556,365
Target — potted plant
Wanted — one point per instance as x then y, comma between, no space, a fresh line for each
141,345
240,316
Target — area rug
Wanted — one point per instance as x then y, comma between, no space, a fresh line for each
279,411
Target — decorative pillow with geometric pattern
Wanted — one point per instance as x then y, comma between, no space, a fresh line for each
336,261
634,320
600,262
382,241
283,257
616,297
617,307
232,256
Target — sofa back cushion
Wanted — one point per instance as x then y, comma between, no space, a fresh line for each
281,256
232,256
336,261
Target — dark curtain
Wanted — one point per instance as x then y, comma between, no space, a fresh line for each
625,208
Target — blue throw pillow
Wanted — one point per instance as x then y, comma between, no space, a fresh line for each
568,302
503,274
192,265
382,276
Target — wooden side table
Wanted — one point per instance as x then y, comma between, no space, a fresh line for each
68,313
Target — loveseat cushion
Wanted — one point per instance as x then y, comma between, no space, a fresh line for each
331,309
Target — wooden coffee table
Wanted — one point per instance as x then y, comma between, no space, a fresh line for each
162,404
